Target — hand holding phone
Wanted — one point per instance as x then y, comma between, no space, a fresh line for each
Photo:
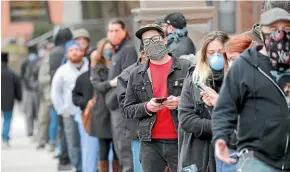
160,100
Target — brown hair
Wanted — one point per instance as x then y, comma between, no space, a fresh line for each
202,70
122,24
100,48
238,43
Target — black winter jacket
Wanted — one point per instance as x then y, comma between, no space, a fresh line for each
264,118
125,56
195,122
57,53
101,120
184,46
139,92
10,88
83,91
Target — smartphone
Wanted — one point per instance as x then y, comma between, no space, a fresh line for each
203,87
160,100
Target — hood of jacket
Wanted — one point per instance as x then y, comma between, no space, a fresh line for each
62,36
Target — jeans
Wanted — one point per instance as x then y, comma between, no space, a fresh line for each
53,125
89,147
135,146
6,125
224,167
251,163
72,137
156,155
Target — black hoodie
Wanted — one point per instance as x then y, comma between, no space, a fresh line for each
57,53
263,127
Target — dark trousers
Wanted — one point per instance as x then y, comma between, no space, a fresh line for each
122,144
156,155
105,145
64,158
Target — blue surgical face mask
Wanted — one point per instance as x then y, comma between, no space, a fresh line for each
216,61
32,57
107,53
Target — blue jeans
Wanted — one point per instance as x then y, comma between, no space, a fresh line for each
135,147
73,141
6,125
223,167
89,147
53,125
253,164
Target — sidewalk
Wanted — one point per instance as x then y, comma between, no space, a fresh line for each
22,154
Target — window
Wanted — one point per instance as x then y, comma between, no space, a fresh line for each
32,11
227,16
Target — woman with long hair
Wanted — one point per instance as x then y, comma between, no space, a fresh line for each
101,122
195,111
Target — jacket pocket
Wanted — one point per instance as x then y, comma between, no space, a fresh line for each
175,86
274,137
141,92
144,126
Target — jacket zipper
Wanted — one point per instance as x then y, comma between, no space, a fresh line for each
287,140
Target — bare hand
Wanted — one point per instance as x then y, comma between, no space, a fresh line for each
222,152
152,106
206,98
113,82
209,97
93,58
172,102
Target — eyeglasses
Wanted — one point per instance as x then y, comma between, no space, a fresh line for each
153,39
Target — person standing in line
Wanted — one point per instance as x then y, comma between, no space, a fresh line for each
31,81
178,42
124,56
101,125
63,83
255,99
10,90
152,97
194,111
56,121
131,124
44,82
82,95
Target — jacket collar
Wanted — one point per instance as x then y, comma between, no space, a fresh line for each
175,65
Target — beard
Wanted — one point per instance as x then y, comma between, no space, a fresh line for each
76,59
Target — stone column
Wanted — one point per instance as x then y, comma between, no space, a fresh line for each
196,13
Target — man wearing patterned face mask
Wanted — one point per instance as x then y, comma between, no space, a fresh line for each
152,97
257,88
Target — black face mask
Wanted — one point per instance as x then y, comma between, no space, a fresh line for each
278,47
217,79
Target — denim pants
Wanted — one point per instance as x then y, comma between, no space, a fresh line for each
135,146
6,125
224,167
53,126
73,141
156,155
89,147
250,163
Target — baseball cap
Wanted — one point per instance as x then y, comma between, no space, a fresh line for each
148,27
81,33
177,20
273,15
255,34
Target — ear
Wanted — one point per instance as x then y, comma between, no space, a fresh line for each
165,40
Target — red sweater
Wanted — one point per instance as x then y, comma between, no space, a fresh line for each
164,125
